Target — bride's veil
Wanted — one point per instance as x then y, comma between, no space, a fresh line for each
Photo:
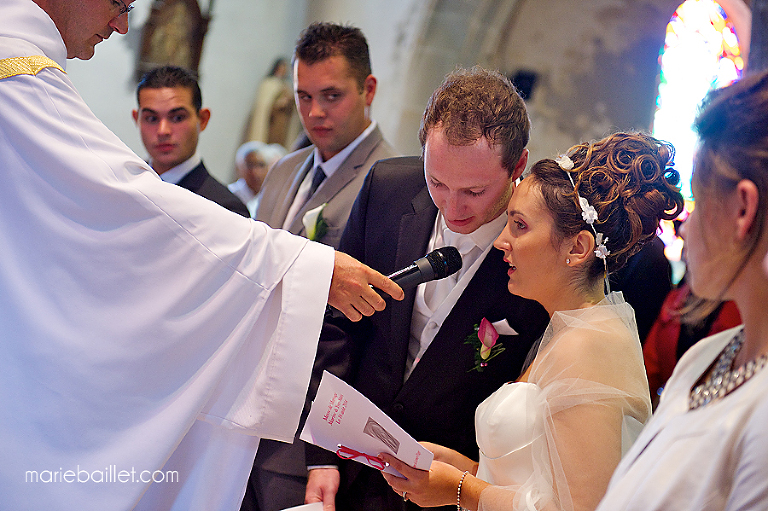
594,401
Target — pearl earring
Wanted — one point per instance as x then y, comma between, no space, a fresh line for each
568,261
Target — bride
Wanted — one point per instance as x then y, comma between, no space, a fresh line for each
552,439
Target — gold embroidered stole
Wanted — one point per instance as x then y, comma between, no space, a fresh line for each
15,66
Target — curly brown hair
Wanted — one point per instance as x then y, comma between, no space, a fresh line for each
627,178
475,103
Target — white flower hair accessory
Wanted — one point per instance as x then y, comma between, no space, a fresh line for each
589,214
565,162
602,251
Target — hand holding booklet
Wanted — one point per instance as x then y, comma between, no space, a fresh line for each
344,421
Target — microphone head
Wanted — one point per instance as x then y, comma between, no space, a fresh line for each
444,261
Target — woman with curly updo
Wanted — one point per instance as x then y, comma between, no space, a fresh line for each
552,439
706,448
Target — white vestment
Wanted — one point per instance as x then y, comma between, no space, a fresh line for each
145,332
713,458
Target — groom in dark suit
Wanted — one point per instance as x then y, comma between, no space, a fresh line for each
170,118
412,360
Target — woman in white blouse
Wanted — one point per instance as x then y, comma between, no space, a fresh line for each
706,447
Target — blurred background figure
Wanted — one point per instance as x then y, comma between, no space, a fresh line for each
646,281
673,333
252,160
273,109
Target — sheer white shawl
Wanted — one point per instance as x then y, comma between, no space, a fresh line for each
591,402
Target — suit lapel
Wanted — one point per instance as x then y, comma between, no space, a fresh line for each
413,240
194,178
293,189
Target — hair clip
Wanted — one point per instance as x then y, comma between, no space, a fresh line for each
588,212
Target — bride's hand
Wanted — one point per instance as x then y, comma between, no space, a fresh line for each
451,457
427,488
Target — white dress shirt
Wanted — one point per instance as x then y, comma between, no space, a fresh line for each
176,174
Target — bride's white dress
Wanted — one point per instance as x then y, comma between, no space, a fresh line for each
553,441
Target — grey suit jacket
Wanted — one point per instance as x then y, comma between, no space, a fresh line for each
338,191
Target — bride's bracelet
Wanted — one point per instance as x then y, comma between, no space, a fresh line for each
458,491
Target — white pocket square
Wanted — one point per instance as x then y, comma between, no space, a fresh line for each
502,327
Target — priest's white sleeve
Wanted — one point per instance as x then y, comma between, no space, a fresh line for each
149,336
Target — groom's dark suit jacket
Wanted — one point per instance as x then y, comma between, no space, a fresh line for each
199,181
389,227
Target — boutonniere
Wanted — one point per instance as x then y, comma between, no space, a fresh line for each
314,222
483,339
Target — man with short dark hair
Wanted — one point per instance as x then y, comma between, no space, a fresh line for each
334,90
149,336
413,361
170,118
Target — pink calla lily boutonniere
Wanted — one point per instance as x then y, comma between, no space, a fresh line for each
484,341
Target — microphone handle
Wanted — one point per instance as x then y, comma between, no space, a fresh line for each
414,274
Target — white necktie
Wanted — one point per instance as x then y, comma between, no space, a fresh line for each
436,291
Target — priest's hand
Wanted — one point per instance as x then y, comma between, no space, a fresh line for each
352,286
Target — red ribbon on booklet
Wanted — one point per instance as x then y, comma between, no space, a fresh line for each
346,453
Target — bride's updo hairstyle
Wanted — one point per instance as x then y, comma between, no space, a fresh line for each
627,178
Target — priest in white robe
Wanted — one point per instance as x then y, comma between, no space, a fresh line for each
148,337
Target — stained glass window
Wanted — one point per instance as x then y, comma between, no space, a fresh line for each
701,52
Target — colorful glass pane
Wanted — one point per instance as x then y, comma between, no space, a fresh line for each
701,52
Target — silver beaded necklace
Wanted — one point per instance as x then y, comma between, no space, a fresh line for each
723,379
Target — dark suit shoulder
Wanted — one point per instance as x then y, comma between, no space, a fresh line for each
393,192
202,183
392,184
408,169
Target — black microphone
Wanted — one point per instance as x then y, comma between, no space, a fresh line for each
438,264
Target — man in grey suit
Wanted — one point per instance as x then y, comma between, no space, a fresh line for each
334,89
